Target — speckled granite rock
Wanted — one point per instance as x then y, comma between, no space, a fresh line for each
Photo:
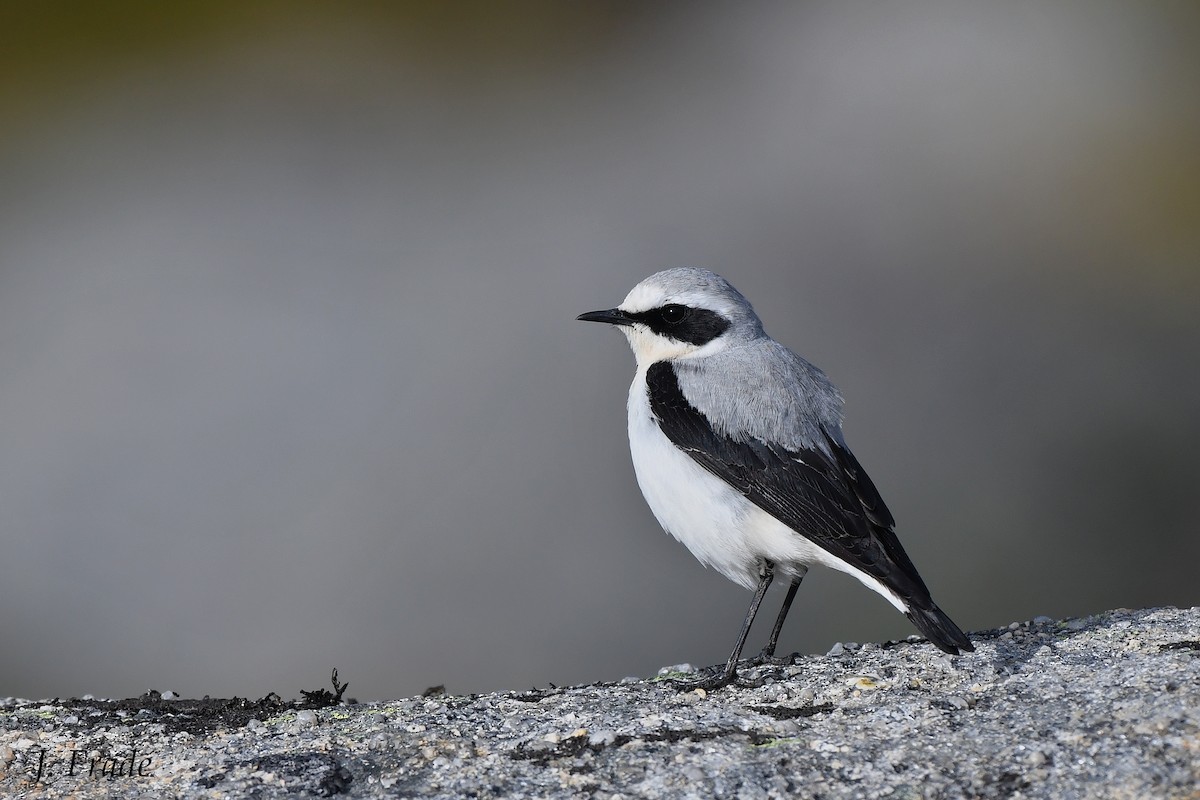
1107,706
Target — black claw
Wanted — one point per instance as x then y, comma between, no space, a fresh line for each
750,683
707,684
765,659
710,683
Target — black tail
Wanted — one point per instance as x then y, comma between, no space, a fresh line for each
933,623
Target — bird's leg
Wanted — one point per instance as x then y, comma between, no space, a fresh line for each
726,676
767,656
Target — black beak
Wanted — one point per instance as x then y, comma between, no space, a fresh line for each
613,316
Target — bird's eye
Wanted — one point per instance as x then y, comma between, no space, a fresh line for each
674,314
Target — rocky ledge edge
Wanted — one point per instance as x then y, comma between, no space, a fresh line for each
1102,706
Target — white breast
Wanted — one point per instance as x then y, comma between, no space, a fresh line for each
720,527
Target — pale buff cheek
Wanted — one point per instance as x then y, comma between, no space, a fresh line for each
649,347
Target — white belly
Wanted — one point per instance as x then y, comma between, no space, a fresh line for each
715,522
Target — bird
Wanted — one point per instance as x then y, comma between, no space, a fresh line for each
738,449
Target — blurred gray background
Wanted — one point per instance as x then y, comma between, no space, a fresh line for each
290,377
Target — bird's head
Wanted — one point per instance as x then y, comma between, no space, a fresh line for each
681,313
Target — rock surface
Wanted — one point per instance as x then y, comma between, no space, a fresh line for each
1107,706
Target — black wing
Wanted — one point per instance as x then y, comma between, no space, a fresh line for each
827,498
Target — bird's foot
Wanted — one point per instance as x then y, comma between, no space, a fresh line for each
717,678
769,659
720,677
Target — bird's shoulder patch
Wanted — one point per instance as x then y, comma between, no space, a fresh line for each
689,430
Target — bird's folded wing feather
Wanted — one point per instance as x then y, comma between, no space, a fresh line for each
820,491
